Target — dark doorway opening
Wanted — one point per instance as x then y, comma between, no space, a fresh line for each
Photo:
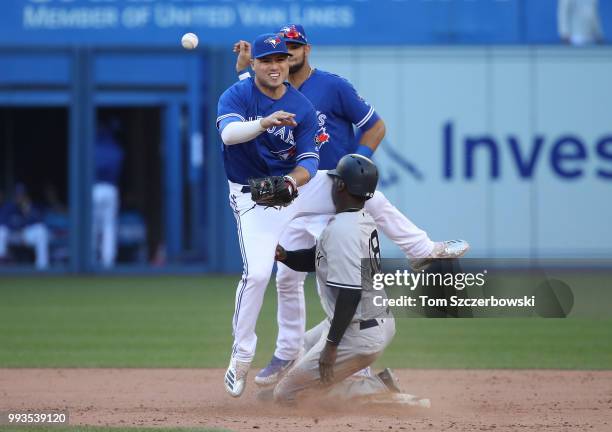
34,159
140,229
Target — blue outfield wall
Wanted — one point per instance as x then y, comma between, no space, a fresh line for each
329,22
508,147
505,145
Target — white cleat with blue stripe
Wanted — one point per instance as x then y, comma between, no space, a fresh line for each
235,377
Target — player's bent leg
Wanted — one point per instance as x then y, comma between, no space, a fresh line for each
357,350
291,315
249,298
304,379
258,229
291,318
290,289
291,312
402,231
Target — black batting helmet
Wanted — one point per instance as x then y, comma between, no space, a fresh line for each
358,173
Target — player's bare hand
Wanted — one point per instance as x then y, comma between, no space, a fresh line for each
278,118
326,363
243,49
281,253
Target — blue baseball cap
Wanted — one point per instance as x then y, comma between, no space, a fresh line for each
293,33
266,44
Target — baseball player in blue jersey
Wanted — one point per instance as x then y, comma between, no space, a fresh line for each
339,107
108,159
268,129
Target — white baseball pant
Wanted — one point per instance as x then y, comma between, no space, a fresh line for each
105,210
35,236
357,350
260,230
4,238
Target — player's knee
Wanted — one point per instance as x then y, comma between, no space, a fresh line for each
287,279
257,276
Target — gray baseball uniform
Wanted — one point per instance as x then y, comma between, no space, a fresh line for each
349,237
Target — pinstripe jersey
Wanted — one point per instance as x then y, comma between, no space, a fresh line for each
277,150
343,256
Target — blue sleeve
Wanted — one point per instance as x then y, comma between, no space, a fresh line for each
231,107
305,137
354,107
310,164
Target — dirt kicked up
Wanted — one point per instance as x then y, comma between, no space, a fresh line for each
499,400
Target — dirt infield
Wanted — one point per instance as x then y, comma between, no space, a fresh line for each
462,400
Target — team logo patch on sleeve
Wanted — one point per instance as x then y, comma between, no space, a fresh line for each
321,138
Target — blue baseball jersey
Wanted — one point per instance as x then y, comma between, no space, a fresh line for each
339,107
277,150
17,218
108,158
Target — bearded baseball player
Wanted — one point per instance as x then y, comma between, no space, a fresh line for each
339,107
269,134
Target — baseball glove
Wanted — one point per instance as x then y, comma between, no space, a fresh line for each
273,191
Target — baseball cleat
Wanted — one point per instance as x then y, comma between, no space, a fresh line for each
390,380
235,377
450,249
273,372
444,249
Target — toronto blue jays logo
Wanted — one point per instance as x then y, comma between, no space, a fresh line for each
290,32
273,40
321,138
285,154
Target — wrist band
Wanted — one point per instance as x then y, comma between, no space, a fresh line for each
292,181
364,150
244,74
332,342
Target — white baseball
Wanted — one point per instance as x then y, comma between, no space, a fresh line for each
189,41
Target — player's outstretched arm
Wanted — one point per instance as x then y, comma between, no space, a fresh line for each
302,260
238,132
